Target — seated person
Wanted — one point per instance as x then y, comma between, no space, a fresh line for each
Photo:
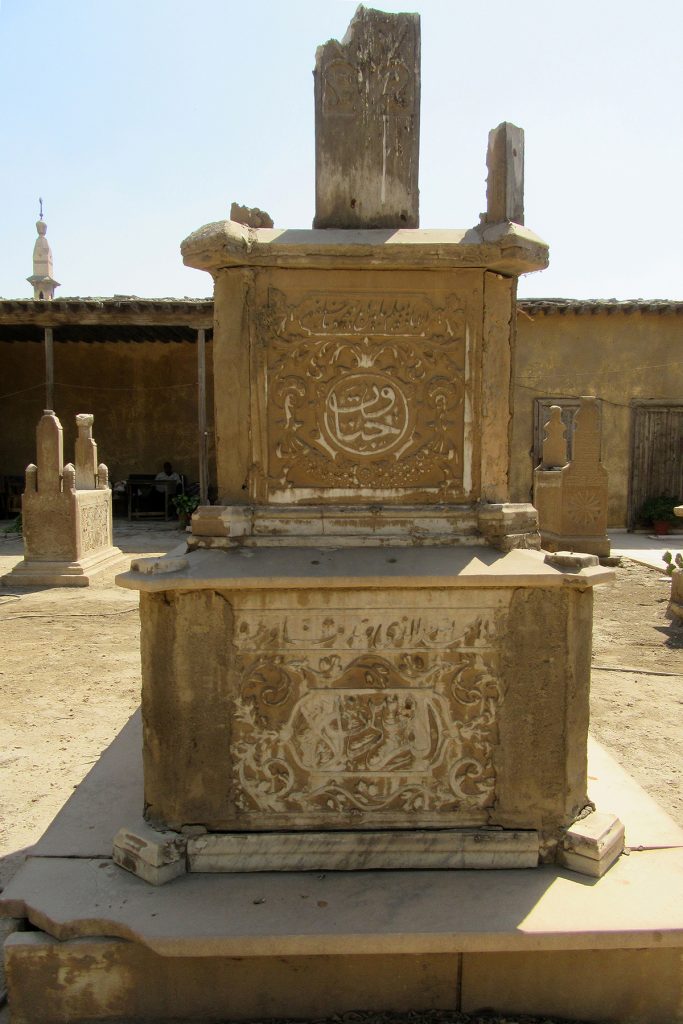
170,483
168,474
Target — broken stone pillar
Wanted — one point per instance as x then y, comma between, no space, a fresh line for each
66,511
571,498
367,124
86,453
505,183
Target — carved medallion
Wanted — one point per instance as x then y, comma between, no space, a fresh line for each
365,414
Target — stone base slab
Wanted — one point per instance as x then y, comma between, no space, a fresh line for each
102,979
309,944
358,851
600,546
159,857
62,574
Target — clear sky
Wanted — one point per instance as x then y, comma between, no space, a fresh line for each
138,121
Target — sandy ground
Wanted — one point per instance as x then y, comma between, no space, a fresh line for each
70,678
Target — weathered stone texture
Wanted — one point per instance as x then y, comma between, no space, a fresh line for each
367,124
505,183
334,709
67,527
251,216
364,389
572,499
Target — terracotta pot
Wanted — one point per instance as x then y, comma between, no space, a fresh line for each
661,527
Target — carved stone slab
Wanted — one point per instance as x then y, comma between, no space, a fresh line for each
444,849
366,389
283,708
367,715
367,123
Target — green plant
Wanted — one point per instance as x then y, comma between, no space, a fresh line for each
185,504
659,509
14,527
672,563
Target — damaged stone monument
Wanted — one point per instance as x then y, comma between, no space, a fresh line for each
66,511
571,497
357,625
360,660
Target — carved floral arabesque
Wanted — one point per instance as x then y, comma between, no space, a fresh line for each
94,524
365,392
380,80
387,715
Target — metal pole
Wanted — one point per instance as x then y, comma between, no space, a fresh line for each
201,418
49,370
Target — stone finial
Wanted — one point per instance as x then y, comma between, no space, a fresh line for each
554,440
86,453
251,216
587,433
50,458
367,124
31,478
505,182
69,477
102,477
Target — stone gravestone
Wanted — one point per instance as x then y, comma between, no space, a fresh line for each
367,118
571,497
66,511
363,660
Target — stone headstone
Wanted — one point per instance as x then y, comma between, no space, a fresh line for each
572,499
554,440
50,458
367,124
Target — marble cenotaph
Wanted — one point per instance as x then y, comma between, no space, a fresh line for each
66,511
363,659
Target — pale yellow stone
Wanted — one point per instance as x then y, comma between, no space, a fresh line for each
67,528
572,500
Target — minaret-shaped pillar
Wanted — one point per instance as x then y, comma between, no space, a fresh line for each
42,280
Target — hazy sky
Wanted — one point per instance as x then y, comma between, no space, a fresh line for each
138,121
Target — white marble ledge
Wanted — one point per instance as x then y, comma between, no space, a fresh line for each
251,568
510,248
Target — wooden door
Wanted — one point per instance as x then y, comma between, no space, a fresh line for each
656,454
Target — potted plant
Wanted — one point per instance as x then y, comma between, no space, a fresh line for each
659,513
185,504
